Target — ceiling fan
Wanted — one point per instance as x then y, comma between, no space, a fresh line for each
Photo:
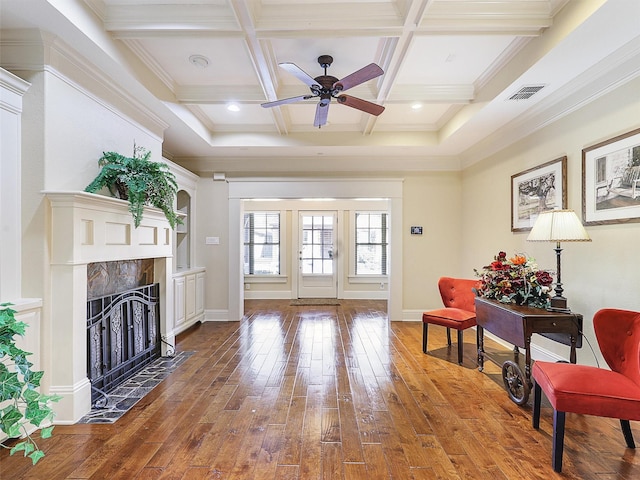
326,87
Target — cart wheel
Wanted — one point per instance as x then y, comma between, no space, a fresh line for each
515,383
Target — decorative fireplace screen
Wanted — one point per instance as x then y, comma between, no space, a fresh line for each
123,336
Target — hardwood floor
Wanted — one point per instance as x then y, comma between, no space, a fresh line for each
327,392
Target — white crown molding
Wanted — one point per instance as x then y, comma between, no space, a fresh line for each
13,83
148,18
33,50
137,48
612,72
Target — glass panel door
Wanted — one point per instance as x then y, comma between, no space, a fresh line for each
317,255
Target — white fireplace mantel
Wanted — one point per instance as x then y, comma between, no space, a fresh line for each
102,229
87,228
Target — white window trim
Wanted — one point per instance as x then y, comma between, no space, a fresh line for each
283,248
266,278
364,277
368,278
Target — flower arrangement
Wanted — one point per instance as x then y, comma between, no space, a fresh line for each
515,280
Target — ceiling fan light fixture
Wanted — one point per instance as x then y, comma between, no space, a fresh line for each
199,61
233,107
327,87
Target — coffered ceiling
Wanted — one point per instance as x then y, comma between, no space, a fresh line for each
450,69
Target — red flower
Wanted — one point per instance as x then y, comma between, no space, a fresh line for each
544,278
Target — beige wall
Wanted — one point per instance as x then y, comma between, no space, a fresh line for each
212,218
432,201
65,131
595,275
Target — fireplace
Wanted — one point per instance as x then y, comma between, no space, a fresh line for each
87,229
123,337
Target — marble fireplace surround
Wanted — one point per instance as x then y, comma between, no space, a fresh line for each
86,228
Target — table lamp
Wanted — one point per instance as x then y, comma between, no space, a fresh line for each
558,226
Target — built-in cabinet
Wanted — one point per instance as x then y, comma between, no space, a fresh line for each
188,298
183,229
188,280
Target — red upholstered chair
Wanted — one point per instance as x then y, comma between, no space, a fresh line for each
595,391
459,310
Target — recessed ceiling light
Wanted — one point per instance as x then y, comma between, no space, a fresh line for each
416,106
199,61
233,107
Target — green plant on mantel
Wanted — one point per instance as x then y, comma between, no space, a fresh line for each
21,405
138,180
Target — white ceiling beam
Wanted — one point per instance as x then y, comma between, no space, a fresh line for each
261,63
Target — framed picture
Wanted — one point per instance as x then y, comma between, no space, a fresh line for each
536,190
611,180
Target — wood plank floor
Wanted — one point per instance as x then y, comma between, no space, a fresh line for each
327,393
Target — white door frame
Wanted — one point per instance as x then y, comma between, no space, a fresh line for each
318,286
297,188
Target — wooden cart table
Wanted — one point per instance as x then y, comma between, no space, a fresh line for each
515,324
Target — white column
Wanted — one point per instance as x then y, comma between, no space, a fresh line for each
68,343
236,277
12,89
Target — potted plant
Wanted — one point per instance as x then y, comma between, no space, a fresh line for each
138,180
21,405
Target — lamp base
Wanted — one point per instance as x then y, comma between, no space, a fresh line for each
558,304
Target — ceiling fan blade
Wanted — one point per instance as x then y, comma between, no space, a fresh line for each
322,111
360,104
360,76
300,74
285,101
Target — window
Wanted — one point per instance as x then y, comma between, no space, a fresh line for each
262,243
372,233
317,244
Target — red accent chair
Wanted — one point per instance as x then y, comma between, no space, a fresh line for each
459,310
590,390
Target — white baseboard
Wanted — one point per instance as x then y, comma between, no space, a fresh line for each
537,352
216,315
412,315
267,295
282,295
368,295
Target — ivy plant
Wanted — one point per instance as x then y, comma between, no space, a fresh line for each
22,407
138,180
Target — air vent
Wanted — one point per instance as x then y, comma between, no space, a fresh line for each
526,92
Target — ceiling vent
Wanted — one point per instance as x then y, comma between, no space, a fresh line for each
526,92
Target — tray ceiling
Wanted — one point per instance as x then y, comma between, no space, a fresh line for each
450,67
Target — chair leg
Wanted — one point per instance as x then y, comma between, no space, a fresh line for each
460,347
425,330
628,435
448,336
558,440
537,397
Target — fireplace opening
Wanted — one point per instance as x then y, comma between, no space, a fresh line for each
123,337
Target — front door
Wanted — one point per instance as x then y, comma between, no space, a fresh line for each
317,255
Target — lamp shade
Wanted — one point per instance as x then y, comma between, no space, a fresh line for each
558,226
